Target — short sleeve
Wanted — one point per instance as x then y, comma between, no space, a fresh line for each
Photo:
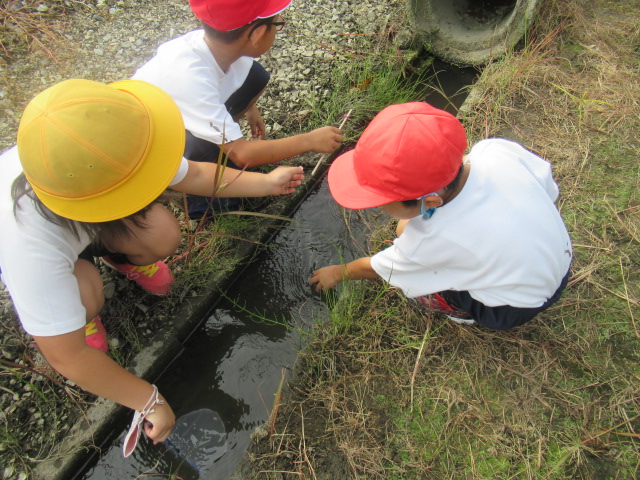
181,173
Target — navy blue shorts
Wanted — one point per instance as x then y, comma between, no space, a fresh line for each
503,317
200,150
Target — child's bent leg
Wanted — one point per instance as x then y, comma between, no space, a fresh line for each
503,317
248,94
201,150
91,287
92,298
157,237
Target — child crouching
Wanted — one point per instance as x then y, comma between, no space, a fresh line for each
90,161
479,237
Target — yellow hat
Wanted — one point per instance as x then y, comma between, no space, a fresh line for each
95,153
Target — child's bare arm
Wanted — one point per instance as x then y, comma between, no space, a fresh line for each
201,180
97,373
251,153
328,277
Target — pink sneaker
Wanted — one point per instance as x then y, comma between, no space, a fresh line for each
96,335
155,278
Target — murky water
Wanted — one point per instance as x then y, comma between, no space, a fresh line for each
223,385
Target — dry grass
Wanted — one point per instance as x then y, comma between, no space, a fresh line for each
25,26
398,394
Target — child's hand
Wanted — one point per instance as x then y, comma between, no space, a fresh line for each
283,180
327,277
159,424
255,121
325,139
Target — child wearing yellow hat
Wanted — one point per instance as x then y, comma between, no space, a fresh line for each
90,161
213,77
479,239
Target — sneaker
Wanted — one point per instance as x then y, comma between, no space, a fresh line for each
154,278
96,335
437,303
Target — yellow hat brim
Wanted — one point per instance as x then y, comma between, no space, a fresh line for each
154,174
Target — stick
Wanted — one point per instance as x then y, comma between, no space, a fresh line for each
324,157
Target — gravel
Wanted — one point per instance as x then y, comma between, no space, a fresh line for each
112,39
107,41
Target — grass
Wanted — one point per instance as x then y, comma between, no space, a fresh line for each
366,85
32,26
23,27
400,394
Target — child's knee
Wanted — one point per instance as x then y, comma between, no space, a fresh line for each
167,231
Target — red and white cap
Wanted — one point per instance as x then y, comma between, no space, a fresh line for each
407,151
225,15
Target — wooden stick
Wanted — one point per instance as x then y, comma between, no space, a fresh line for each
326,155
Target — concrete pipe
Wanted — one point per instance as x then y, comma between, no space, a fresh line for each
471,32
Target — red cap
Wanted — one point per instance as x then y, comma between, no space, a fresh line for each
407,151
225,15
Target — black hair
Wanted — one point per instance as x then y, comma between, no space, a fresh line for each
231,36
97,231
453,185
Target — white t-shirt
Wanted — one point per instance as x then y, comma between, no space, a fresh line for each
37,259
186,69
501,239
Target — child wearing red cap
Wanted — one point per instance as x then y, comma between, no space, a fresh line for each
213,78
479,238
90,162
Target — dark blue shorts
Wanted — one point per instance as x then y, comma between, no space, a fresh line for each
503,317
200,150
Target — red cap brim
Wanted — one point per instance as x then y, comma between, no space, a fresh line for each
345,188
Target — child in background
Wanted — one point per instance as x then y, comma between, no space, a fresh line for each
90,161
213,78
479,238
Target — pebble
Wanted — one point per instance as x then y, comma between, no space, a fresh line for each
109,289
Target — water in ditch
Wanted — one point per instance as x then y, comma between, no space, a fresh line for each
223,385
